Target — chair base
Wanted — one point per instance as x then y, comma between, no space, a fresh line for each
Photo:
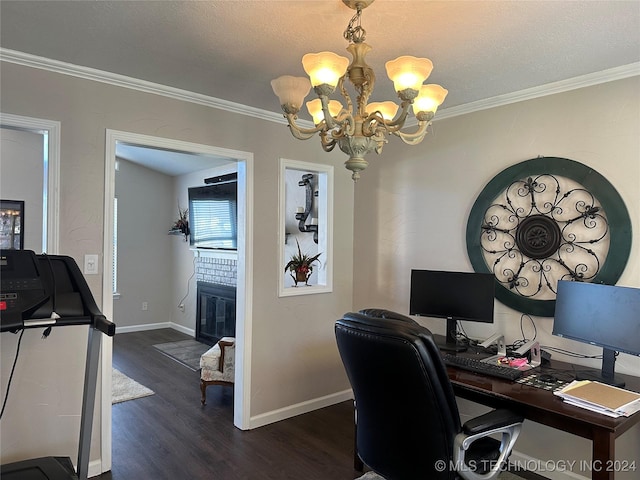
205,383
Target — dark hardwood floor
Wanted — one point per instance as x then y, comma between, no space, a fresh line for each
169,435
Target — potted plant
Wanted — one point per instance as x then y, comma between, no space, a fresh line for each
182,224
300,266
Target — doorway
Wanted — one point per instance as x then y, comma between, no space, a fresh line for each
244,164
46,200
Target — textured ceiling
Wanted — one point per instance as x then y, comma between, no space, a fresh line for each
232,49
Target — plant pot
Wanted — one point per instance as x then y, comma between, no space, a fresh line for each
301,277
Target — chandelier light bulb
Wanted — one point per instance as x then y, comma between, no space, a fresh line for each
387,109
324,68
430,98
408,72
291,91
315,109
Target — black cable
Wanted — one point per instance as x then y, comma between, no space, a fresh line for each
519,343
460,331
45,334
15,361
569,353
535,330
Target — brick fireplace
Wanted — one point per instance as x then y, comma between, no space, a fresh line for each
216,298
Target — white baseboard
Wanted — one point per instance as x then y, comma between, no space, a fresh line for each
142,328
156,326
95,468
183,329
551,469
299,408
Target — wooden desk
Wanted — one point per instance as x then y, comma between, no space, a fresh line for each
543,407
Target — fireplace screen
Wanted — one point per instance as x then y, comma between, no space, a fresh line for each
215,313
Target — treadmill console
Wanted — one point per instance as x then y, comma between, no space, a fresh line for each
21,288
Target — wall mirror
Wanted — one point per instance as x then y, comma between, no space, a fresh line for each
305,228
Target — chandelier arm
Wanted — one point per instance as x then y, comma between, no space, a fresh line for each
327,143
372,124
375,121
303,133
344,127
347,121
332,122
365,90
415,137
400,119
345,94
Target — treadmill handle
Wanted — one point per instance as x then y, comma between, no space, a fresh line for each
101,323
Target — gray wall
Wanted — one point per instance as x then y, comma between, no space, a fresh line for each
412,207
411,204
146,212
293,357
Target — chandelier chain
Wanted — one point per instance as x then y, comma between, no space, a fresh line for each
354,32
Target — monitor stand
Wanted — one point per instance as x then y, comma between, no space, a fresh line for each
607,374
449,343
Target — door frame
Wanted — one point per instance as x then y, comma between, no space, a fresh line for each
242,385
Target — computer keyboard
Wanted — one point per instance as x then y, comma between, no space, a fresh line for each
483,368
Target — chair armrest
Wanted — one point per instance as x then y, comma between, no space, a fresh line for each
223,343
492,420
504,422
212,356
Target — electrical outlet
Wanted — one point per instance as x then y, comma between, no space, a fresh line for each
181,307
90,264
145,306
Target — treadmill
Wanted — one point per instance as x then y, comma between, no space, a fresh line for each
50,291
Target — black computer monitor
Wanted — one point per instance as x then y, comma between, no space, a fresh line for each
603,315
454,296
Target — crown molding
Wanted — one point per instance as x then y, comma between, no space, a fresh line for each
28,60
64,68
588,80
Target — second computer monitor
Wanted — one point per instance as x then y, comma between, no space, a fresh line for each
453,296
607,316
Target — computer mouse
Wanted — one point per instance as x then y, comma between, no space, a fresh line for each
547,378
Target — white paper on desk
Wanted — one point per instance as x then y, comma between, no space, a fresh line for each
579,402
572,385
630,408
624,410
591,407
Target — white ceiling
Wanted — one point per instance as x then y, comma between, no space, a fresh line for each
232,49
169,162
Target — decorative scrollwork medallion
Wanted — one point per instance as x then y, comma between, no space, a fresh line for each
544,220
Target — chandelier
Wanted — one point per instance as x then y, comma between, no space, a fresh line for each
358,131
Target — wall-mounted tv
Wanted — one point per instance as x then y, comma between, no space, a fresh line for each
213,213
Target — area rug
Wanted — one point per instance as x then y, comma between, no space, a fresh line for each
185,352
124,388
502,476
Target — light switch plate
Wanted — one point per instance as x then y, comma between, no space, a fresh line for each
90,264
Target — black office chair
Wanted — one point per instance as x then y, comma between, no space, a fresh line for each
408,425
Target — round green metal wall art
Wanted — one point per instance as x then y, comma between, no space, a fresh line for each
544,220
